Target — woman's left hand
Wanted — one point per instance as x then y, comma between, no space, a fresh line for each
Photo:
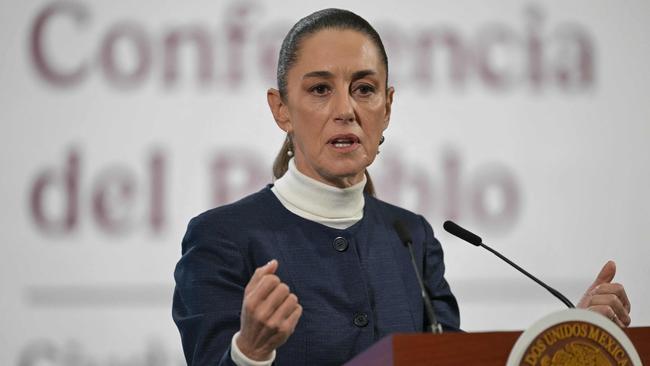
607,298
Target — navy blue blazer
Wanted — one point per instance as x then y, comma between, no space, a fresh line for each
355,285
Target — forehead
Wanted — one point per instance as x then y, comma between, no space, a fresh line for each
337,50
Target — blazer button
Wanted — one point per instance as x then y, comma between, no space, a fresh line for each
360,320
340,244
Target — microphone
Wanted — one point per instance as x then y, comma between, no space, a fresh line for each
454,229
405,237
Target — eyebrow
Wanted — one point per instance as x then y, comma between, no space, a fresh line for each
328,75
318,74
362,74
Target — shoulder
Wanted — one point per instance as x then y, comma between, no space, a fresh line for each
248,208
390,209
228,220
390,213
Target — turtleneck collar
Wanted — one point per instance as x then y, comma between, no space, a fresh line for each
308,198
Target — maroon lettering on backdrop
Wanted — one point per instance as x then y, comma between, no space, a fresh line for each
499,57
237,28
433,40
535,46
200,38
157,171
495,40
268,46
235,173
112,199
42,61
127,33
451,168
398,45
500,212
67,184
574,65
114,195
489,195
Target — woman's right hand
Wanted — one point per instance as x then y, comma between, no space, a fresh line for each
269,314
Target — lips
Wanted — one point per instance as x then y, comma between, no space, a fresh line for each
342,141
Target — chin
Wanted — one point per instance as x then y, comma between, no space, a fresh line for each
347,168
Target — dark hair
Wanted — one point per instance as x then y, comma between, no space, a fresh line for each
322,19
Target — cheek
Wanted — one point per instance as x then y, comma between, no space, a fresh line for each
374,121
310,119
375,105
307,125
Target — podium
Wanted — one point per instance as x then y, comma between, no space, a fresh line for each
462,349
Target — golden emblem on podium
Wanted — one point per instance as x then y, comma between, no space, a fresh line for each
573,338
576,353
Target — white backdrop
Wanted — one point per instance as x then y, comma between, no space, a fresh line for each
525,121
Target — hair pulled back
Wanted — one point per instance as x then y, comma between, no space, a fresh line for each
322,19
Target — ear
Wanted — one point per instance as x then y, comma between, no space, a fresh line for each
279,109
389,105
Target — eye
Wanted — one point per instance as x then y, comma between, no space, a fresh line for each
364,90
320,89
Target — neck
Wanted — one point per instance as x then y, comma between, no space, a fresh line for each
318,201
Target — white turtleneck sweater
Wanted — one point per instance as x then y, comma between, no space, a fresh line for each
308,198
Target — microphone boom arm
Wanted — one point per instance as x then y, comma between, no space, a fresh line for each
550,289
468,236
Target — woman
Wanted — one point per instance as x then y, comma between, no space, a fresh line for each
309,271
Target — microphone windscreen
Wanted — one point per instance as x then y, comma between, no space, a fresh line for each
402,232
453,229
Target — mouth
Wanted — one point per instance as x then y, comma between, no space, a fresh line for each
344,143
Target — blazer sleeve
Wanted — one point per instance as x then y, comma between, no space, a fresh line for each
210,280
444,302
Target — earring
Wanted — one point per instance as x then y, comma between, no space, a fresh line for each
381,139
289,147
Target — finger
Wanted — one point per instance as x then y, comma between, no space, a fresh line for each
260,272
613,302
273,301
265,286
605,275
284,328
619,322
285,309
287,318
282,323
275,323
268,268
253,320
614,288
292,320
607,312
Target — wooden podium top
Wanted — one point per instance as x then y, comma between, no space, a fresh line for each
462,349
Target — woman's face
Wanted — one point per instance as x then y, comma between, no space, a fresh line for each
336,107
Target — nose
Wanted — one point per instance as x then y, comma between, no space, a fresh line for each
344,108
